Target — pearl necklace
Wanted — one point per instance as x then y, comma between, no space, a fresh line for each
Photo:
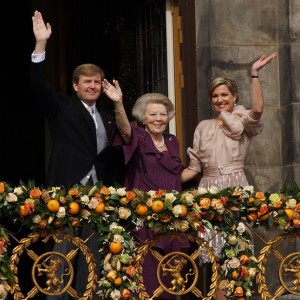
160,144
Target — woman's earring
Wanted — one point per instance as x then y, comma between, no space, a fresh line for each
234,102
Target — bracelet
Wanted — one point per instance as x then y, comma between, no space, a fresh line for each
254,76
119,111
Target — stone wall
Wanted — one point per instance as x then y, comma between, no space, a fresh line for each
230,36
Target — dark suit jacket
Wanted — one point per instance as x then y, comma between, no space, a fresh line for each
73,136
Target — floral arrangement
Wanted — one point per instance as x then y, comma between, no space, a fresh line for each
6,277
113,212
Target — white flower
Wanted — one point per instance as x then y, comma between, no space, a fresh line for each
115,294
85,199
202,190
112,190
249,188
93,203
36,219
115,228
107,267
252,272
189,197
234,263
124,213
241,228
121,192
291,203
170,196
177,210
118,238
18,191
181,225
61,213
151,193
213,190
11,197
232,239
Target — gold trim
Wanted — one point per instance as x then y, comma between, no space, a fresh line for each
57,237
148,246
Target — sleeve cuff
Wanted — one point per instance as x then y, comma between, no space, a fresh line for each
38,57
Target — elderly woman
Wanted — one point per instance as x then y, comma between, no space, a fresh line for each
152,162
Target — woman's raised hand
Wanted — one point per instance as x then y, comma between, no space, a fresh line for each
261,62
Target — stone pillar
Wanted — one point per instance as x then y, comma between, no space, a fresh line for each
230,36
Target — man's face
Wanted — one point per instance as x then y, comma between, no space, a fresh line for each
88,88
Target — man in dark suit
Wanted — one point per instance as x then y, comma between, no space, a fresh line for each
80,132
79,146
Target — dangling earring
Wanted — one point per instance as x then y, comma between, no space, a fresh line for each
234,102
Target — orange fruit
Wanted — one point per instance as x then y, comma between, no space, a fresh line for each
23,210
157,206
115,247
74,208
183,211
141,209
100,208
53,205
290,214
118,281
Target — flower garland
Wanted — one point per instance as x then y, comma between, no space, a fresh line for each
113,212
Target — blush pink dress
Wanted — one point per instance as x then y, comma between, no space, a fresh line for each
219,151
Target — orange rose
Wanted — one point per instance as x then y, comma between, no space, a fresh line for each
264,208
260,195
105,191
1,187
252,216
126,294
250,200
235,274
165,219
238,291
244,259
159,193
297,208
296,222
35,193
73,192
130,195
130,271
205,203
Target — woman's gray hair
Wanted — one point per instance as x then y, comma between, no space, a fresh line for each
140,106
230,83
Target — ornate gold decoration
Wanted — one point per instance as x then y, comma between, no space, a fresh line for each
289,264
50,263
175,264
